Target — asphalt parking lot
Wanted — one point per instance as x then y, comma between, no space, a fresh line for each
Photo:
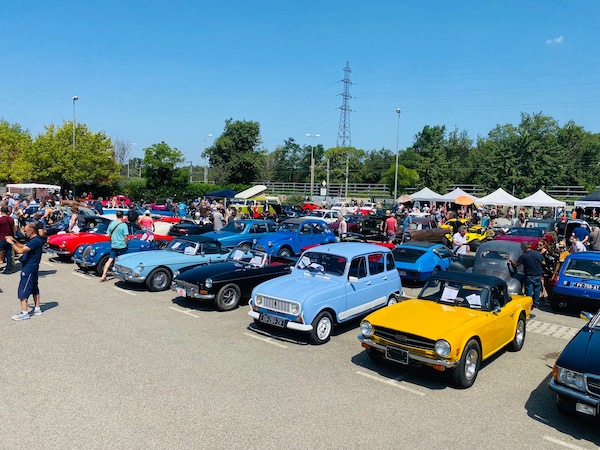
110,366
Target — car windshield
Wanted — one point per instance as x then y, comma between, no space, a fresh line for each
583,268
184,247
529,232
456,293
494,254
316,213
289,226
250,256
322,262
235,227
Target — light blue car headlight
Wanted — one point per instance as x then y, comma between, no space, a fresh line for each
258,300
140,267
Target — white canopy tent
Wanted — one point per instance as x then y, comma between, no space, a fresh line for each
458,192
540,198
499,197
50,187
427,195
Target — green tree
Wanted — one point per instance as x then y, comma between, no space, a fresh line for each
14,142
406,178
342,158
235,156
375,166
159,165
54,160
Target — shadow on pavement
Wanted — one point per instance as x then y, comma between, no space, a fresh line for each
46,306
43,273
280,334
578,427
196,305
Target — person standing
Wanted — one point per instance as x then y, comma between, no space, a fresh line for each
30,261
595,238
182,209
459,241
97,205
7,228
391,228
132,214
576,245
531,260
117,230
218,220
146,222
343,226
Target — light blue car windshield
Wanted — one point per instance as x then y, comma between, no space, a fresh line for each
322,262
184,247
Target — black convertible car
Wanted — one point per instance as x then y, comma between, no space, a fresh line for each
188,227
233,280
576,373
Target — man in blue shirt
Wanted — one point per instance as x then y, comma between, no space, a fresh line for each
30,261
531,260
117,230
182,209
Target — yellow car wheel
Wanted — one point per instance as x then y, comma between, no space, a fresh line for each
519,339
466,372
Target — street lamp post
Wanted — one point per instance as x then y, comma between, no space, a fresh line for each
75,98
397,151
312,165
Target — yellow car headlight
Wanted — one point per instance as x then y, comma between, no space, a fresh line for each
366,328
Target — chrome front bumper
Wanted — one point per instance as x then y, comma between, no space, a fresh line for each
193,294
82,263
128,277
572,394
412,356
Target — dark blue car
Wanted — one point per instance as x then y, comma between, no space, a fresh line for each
578,282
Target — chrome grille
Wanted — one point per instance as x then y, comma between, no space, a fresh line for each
85,257
123,270
593,385
185,285
405,339
276,304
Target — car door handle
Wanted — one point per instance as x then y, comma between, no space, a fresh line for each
368,282
512,315
385,278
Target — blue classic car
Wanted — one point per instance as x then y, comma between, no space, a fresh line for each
242,233
94,256
156,268
416,261
578,282
576,373
233,280
330,284
295,234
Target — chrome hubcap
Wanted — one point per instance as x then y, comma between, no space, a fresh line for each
471,364
160,280
229,297
520,335
392,301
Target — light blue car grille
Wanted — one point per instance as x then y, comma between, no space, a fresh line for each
123,270
275,304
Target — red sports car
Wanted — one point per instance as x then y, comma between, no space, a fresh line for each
310,206
118,199
520,234
64,245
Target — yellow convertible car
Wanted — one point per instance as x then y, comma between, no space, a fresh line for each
457,321
476,234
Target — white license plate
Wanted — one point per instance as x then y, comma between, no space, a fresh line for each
585,409
181,292
270,320
594,287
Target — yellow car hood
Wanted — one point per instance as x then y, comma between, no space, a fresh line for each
424,318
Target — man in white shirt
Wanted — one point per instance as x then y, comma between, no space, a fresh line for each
343,226
459,241
577,245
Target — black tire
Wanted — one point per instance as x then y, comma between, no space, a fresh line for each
159,280
322,328
100,266
285,252
228,297
82,267
246,246
392,300
466,372
520,332
558,305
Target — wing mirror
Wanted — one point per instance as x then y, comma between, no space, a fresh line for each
586,315
352,279
496,310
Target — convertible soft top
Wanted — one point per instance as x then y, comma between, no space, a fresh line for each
464,277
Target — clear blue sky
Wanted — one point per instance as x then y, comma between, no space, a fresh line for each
173,71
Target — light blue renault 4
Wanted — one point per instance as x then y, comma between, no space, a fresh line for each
330,284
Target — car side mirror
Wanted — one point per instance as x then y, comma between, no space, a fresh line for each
352,279
496,310
586,316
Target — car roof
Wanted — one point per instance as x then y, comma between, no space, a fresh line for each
419,244
589,255
303,219
474,278
349,249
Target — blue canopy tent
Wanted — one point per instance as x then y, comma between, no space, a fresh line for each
223,193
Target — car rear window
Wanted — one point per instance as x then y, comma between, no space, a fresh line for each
583,268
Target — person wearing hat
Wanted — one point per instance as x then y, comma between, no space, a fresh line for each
146,222
7,228
391,228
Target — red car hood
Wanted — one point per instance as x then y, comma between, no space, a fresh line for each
533,240
74,240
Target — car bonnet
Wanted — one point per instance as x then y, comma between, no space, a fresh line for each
581,354
299,287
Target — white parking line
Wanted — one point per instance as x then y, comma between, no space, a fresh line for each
563,443
267,340
124,291
550,329
184,312
47,263
87,277
389,382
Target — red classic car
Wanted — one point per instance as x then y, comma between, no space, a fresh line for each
310,206
64,245
520,234
117,200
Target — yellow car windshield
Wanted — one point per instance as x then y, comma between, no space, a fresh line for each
456,293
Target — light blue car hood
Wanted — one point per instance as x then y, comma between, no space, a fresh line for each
163,257
299,287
